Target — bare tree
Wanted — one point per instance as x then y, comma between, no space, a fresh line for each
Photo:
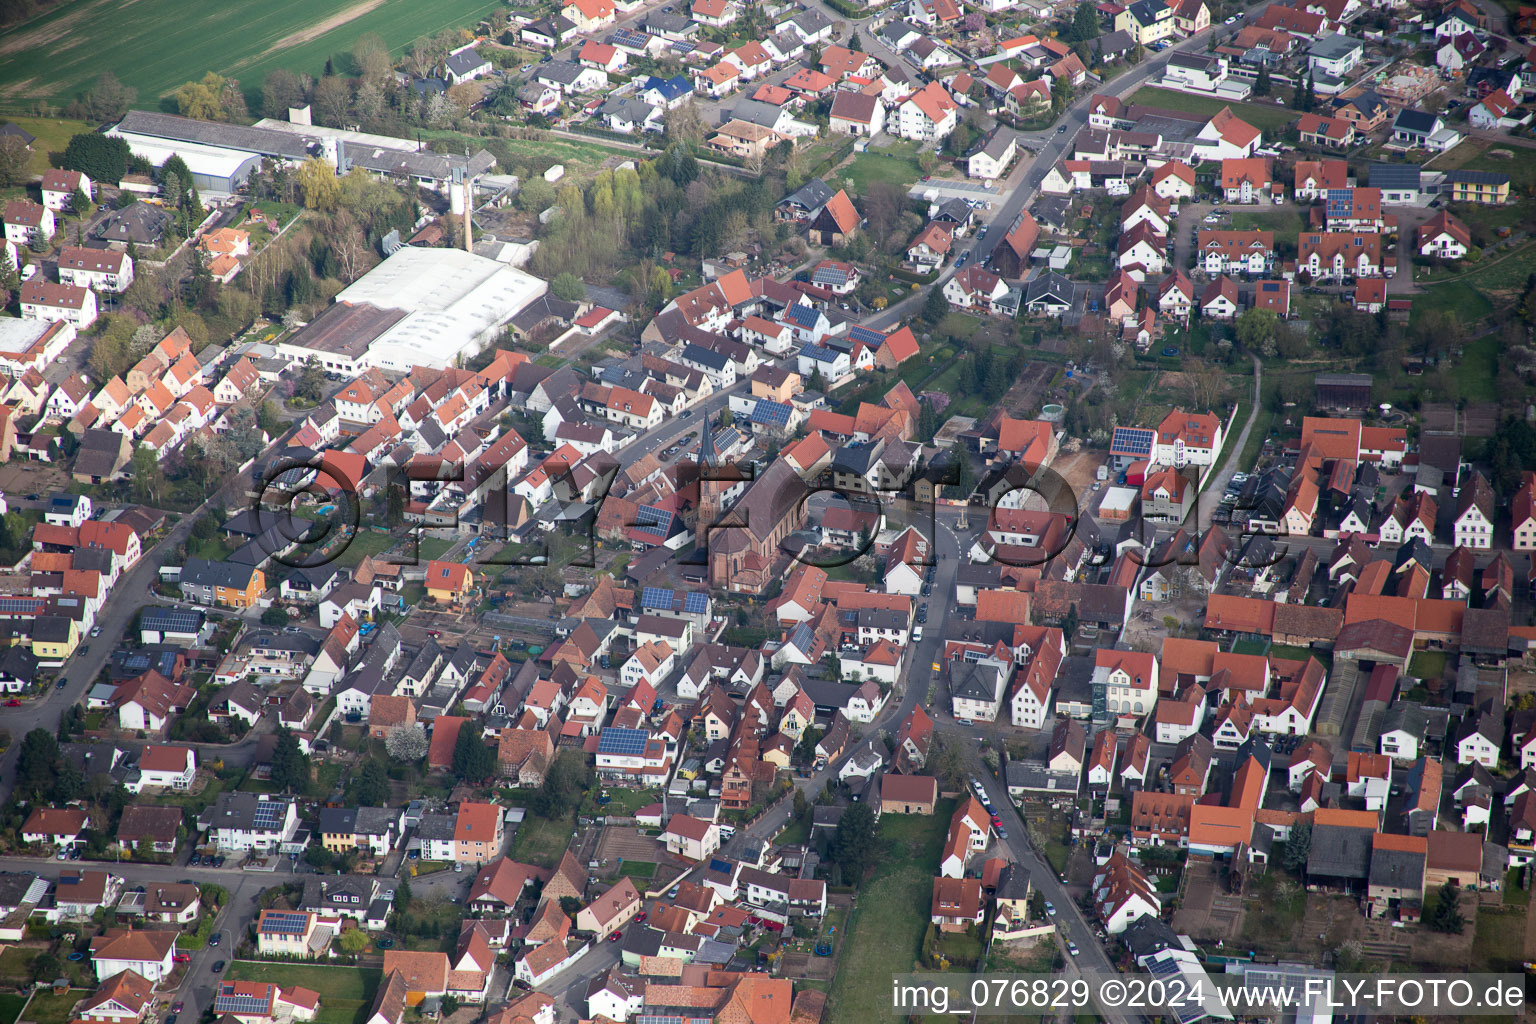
350,246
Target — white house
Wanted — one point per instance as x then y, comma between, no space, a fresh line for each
928,115
146,951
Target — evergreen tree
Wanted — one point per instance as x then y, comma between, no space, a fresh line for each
936,306
1261,85
473,760
290,766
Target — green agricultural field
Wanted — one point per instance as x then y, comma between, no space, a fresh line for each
1266,117
346,993
156,45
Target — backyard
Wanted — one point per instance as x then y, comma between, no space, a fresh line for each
896,163
54,1008
541,841
346,993
1265,117
888,922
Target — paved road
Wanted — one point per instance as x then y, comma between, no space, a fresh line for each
200,980
1217,484
134,589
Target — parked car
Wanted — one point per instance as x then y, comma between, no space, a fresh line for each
615,937
13,703
1072,948
218,966
216,938
1049,909
181,958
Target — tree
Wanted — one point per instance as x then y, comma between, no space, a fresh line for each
274,616
46,967
1297,848
1446,914
290,765
99,157
372,784
936,306
1255,330
1309,95
565,783
855,844
370,57
320,858
333,98
109,98
1085,23
449,1005
281,90
403,896
36,763
354,941
406,743
473,759
318,184
568,286
14,159
1262,85
570,906
536,195
211,98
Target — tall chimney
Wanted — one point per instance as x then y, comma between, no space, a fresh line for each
468,199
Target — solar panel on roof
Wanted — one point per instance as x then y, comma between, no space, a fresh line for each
771,413
623,742
829,275
683,46
653,520
269,814
695,602
868,335
655,597
716,864
629,37
285,923
241,1003
1132,440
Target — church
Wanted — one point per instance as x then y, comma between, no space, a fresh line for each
743,541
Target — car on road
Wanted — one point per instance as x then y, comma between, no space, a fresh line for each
983,232
194,860
1061,129
1072,948
218,861
1002,833
216,938
1233,20
181,958
672,892
176,1006
996,821
615,937
961,261
13,703
95,631
61,685
642,915
1049,909
218,966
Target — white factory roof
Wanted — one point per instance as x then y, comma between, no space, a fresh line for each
456,302
17,335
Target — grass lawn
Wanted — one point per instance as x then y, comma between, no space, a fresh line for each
431,547
895,163
1459,297
1513,894
1498,940
10,1007
639,869
346,993
1427,665
541,154
365,542
53,134
1277,914
47,1008
541,842
621,803
156,45
16,964
886,930
1477,370
1285,221
1266,117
